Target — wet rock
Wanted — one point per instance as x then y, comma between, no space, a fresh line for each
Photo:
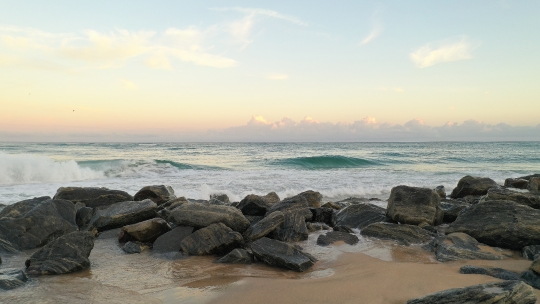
451,209
221,197
280,254
528,177
237,256
534,184
531,252
83,216
146,231
214,239
498,273
516,183
134,247
313,198
500,292
523,198
170,241
413,206
20,208
359,215
11,278
343,229
312,227
351,201
292,204
122,214
459,246
92,197
68,253
198,216
331,206
159,194
37,226
322,215
264,226
256,205
503,224
293,228
165,209
440,191
531,278
336,236
403,234
469,185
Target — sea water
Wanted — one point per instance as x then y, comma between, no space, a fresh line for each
196,170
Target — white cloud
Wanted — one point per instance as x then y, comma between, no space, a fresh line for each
447,51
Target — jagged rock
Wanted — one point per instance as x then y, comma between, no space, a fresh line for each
280,254
531,252
343,229
264,226
359,215
37,226
523,198
322,215
531,278
198,216
92,197
159,194
165,209
451,209
312,227
146,231
216,238
290,204
84,216
253,219
293,228
20,208
336,236
134,247
498,273
331,206
237,256
535,266
68,253
516,183
403,234
313,198
256,205
414,206
534,184
221,197
122,214
11,278
503,224
170,241
440,191
514,292
459,246
469,185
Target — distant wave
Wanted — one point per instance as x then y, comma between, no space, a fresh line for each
177,165
326,162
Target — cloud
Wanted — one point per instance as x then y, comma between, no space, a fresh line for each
277,76
375,32
447,51
262,12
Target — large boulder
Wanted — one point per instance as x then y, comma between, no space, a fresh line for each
159,194
459,246
92,197
84,216
20,208
264,226
122,214
170,241
237,256
452,208
291,203
11,278
214,239
37,226
293,228
359,216
514,292
336,236
403,234
68,253
313,198
534,184
322,215
469,185
257,205
414,206
199,216
516,183
280,254
523,198
503,224
146,231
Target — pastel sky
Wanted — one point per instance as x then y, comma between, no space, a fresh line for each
269,70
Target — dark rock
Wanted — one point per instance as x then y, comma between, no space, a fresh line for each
216,238
469,185
528,177
312,227
11,278
459,246
351,201
237,256
534,184
293,228
255,205
146,231
498,273
531,278
523,198
92,197
221,197
313,198
535,266
264,226
134,247
322,215
253,219
530,252
503,224
336,236
280,254
290,204
516,183
343,229
440,191
403,234
198,216
170,241
84,216
20,208
38,226
159,194
331,206
451,209
359,215
514,292
122,214
413,206
68,253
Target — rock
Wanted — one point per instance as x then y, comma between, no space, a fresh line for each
216,238
523,198
84,216
403,234
293,228
343,229
534,184
292,203
280,254
255,205
134,247
312,227
159,194
122,214
322,215
413,206
516,183
37,226
92,197
528,177
331,206
459,246
313,198
351,201
20,208
146,231
531,278
535,266
359,215
170,241
336,236
237,256
503,224
469,185
68,253
199,216
500,292
220,197
264,226
11,278
451,209
531,252
440,191
253,219
498,273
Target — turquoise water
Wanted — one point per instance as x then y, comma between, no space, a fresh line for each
196,170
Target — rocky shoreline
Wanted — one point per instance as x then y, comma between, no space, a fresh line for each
479,220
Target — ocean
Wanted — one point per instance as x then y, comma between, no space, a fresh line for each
196,170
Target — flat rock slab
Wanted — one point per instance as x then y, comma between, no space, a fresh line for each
498,273
159,194
170,241
414,206
280,254
146,231
359,215
199,216
514,292
91,196
122,214
214,239
459,246
403,234
523,198
469,185
237,256
336,236
264,226
11,278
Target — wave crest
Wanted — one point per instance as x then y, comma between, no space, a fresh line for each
326,162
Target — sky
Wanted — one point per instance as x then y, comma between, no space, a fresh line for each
269,70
